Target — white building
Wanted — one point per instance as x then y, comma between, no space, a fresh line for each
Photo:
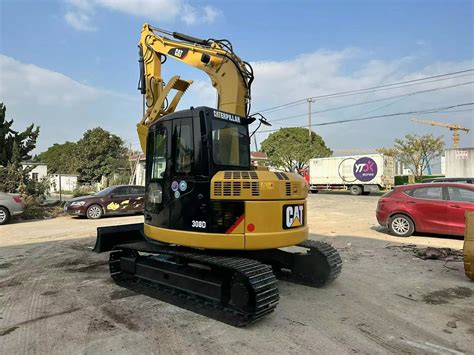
39,172
138,163
65,182
459,162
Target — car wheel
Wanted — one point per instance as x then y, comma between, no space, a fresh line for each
4,215
355,190
401,225
94,212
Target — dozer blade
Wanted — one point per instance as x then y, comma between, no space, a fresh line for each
109,237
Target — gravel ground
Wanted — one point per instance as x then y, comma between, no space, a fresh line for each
56,296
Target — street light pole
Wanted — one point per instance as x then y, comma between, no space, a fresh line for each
310,101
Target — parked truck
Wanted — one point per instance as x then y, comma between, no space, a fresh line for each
360,174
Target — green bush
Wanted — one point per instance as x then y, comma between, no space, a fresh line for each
34,209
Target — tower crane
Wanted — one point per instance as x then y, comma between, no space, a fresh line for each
455,128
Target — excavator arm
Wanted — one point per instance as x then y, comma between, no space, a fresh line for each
230,76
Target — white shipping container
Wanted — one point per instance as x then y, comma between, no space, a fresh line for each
358,173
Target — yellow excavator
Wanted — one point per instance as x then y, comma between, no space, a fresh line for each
214,226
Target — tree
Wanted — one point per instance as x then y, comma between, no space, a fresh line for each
100,153
416,151
61,158
15,147
291,148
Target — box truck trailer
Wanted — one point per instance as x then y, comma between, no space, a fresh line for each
360,174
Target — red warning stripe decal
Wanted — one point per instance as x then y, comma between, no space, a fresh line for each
235,225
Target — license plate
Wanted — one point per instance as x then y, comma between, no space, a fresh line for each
65,208
293,216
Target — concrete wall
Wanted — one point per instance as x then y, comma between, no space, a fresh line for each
459,162
140,174
68,183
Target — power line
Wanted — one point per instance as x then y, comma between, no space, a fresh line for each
425,111
374,88
374,101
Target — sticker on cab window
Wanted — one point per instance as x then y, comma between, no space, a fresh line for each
174,186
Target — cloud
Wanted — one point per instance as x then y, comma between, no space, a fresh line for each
323,72
80,12
64,108
79,20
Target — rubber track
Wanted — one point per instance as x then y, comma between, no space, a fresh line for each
260,277
332,256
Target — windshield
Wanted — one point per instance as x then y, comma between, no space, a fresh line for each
230,144
104,192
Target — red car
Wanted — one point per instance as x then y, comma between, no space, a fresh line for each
436,208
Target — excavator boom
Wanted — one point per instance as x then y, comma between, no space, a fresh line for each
230,76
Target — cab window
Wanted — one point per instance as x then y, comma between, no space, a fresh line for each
183,146
230,144
157,157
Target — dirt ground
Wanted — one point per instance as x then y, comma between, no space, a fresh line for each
56,296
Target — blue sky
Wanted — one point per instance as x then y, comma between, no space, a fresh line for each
72,65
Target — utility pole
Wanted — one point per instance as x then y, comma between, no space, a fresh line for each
310,101
60,190
255,141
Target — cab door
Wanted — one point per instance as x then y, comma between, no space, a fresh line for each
460,201
157,198
186,213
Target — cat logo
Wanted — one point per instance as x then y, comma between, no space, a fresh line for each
293,216
180,53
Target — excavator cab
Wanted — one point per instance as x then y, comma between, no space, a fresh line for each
185,150
203,193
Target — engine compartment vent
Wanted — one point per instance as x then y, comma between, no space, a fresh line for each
245,175
281,176
292,188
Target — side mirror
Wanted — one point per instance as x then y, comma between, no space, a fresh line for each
111,195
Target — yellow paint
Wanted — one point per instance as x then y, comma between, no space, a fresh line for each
225,75
265,185
296,222
240,229
267,218
126,202
113,206
196,239
258,241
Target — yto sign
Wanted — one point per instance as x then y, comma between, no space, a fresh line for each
365,169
